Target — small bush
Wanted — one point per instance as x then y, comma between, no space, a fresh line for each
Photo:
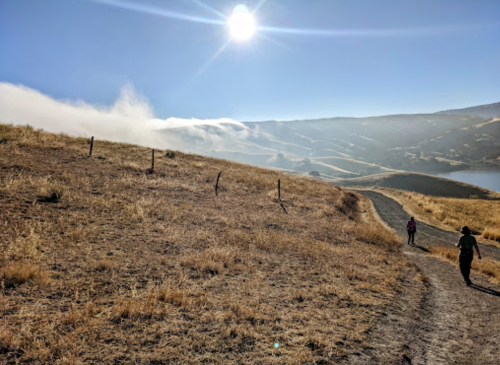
491,234
104,265
17,273
25,247
8,341
172,296
170,154
52,192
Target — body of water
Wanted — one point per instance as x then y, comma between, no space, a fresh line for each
485,179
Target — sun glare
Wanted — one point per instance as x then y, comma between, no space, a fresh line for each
242,24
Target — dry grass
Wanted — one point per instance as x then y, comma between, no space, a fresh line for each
487,266
17,273
128,267
482,216
491,233
424,279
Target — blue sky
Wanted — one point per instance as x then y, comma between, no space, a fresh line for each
393,56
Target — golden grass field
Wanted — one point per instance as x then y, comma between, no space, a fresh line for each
481,216
103,263
487,266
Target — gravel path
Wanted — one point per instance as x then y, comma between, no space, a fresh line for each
441,321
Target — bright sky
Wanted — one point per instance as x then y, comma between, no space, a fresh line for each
307,58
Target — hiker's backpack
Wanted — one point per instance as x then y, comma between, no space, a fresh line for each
412,227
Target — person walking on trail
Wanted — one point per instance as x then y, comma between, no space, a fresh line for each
466,243
411,227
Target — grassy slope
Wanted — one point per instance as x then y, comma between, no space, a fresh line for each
423,184
103,263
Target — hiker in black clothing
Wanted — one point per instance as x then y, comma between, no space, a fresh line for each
411,227
466,243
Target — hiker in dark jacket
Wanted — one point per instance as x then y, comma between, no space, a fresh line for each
466,243
411,227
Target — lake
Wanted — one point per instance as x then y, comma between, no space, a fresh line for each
485,179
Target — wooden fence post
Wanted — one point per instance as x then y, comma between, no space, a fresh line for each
279,197
217,184
153,161
91,146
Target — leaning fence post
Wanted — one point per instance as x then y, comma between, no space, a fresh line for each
153,160
279,197
91,145
217,184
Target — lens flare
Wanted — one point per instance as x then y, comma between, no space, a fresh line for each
242,23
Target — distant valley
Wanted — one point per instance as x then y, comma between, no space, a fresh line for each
342,147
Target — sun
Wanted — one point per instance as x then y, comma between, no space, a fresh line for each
242,24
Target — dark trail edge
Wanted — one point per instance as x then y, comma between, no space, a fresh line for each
442,322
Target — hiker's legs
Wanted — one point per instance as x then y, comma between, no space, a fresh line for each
411,237
465,263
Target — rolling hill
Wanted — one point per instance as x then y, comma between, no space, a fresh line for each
488,111
105,261
423,184
350,147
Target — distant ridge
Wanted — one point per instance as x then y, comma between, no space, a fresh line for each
485,111
421,183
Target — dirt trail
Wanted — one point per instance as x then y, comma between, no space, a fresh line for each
439,322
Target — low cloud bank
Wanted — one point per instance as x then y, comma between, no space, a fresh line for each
130,119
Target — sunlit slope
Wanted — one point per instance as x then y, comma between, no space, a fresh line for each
359,133
418,143
356,166
421,183
105,262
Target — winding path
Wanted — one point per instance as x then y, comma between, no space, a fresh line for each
436,322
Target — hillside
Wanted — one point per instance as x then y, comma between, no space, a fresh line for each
103,262
350,147
421,183
488,111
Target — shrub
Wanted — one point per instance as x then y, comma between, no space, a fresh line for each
8,341
51,192
491,234
17,273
